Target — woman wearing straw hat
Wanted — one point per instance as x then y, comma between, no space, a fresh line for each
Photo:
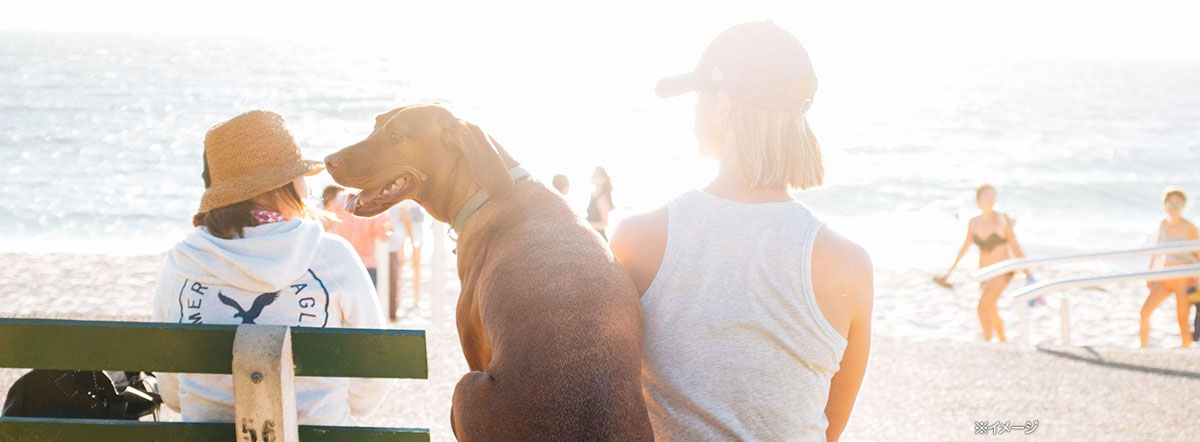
757,317
257,257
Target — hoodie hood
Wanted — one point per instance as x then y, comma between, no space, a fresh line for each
267,258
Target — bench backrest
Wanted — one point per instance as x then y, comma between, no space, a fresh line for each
195,348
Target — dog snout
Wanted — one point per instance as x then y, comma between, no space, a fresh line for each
333,161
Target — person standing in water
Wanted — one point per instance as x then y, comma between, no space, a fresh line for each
992,233
601,203
1174,228
757,317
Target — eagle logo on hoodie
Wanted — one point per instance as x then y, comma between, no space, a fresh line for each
304,303
248,316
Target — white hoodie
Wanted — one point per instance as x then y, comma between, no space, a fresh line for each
285,273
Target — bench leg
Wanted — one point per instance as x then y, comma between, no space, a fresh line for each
264,393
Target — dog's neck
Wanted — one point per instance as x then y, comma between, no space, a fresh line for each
445,194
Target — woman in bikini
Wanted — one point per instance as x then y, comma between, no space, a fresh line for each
992,232
1174,228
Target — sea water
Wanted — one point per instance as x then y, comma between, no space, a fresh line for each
101,137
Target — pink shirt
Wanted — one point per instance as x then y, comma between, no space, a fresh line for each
362,233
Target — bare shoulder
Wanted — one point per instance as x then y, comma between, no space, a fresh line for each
642,226
847,262
639,243
842,280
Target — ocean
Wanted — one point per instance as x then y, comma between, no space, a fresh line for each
101,137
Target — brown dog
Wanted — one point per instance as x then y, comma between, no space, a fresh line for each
549,323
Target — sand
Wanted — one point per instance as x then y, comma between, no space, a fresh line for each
929,377
909,306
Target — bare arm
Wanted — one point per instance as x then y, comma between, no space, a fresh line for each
639,243
859,288
1157,240
604,205
1012,241
962,251
407,220
1194,235
383,227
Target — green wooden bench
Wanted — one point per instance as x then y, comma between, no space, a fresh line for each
188,348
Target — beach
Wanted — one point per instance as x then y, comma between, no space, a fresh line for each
933,383
102,133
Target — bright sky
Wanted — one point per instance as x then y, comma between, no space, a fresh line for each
884,28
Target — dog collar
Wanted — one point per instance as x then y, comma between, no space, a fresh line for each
479,198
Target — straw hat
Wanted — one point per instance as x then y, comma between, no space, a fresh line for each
250,155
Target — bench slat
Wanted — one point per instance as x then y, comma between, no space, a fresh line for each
71,430
198,348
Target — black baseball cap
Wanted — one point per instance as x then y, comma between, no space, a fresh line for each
757,64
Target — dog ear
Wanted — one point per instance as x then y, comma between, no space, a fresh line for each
482,155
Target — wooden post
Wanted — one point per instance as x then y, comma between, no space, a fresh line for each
264,396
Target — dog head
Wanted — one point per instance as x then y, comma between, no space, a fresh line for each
410,153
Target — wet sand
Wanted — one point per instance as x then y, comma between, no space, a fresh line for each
929,378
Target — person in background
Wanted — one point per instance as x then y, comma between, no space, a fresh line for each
408,221
257,256
362,233
757,316
601,203
561,183
327,196
1174,228
992,232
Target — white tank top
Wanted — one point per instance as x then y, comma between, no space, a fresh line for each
735,345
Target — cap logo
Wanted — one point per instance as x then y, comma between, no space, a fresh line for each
717,75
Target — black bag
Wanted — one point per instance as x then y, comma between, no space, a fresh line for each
121,395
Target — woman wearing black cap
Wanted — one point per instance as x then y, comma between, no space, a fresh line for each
757,317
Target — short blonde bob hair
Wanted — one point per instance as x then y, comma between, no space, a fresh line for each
1171,191
774,149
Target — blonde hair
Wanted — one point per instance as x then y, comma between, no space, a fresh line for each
986,187
1174,191
774,149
